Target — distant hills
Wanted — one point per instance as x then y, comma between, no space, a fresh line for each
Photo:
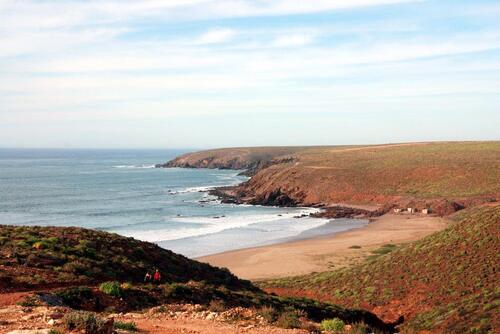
443,176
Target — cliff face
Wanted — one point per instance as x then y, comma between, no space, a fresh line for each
443,176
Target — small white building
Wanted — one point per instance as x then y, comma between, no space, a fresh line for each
411,210
426,211
397,210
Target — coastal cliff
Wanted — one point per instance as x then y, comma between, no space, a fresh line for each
444,176
251,160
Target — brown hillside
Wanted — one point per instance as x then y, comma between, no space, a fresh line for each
43,257
425,173
445,283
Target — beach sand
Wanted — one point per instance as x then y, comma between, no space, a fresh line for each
326,252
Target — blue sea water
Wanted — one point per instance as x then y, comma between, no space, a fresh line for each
120,191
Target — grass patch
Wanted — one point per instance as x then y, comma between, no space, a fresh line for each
128,326
111,288
334,325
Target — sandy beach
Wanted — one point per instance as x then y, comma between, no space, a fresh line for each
326,252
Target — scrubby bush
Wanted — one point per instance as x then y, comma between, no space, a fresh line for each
269,313
111,288
334,325
128,326
86,321
217,305
288,319
176,290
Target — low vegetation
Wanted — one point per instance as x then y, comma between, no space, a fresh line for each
281,311
111,288
443,176
94,271
87,322
334,325
127,326
447,282
33,257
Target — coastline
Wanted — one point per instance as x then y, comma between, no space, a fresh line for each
326,252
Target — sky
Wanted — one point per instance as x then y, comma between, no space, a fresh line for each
223,73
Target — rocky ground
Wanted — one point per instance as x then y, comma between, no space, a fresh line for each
172,318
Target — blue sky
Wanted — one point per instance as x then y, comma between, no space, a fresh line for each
218,73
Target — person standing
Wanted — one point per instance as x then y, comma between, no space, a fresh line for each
157,276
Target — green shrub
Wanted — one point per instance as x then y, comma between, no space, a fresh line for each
334,325
128,326
288,319
111,288
86,321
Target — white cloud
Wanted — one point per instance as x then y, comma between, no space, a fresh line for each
215,36
95,60
293,40
55,14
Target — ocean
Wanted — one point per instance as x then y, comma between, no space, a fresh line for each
120,191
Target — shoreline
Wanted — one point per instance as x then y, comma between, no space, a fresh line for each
325,252
329,228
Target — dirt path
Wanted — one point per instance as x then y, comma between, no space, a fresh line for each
195,326
306,256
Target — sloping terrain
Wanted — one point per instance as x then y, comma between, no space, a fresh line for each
32,257
443,176
102,272
251,159
444,283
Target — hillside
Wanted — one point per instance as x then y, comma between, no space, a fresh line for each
73,268
444,283
443,176
32,257
250,159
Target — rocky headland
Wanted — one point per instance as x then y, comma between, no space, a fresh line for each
441,177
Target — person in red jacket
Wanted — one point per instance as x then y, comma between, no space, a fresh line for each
157,276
